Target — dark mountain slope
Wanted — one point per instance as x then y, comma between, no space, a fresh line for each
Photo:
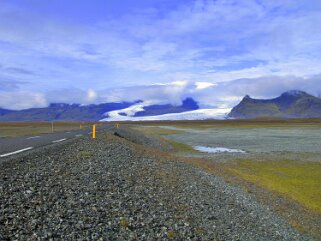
4,111
64,112
291,104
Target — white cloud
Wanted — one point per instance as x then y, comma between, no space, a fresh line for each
203,85
155,93
73,96
22,100
222,95
91,95
191,40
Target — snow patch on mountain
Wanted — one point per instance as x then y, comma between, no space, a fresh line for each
129,111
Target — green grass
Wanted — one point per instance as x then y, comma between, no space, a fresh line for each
246,124
181,147
253,123
300,181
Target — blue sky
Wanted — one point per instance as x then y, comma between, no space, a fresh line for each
85,51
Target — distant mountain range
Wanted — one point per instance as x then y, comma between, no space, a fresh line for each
63,112
76,112
291,104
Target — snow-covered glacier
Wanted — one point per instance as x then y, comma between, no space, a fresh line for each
200,114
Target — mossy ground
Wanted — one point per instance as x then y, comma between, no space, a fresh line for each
253,123
300,181
181,147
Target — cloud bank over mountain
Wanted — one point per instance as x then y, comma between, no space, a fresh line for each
208,95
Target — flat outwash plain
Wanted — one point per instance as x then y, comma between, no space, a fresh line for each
133,185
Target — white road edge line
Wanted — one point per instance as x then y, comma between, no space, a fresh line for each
68,132
59,140
33,137
16,152
78,135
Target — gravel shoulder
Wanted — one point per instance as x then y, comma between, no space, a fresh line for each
118,188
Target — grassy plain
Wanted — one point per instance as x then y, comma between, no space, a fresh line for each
254,123
300,181
282,166
12,129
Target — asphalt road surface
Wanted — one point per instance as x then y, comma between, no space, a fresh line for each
10,146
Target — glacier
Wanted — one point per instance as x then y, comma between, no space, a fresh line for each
200,114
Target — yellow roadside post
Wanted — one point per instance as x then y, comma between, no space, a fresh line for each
94,131
117,125
80,127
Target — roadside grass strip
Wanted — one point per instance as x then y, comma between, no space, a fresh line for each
300,181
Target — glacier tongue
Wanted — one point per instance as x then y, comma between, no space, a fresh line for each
200,114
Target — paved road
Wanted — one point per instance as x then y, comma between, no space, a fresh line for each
10,146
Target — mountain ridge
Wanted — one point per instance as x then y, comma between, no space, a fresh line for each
62,112
92,112
290,104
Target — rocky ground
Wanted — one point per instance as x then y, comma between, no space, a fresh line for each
114,189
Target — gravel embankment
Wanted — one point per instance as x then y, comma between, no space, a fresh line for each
109,189
141,139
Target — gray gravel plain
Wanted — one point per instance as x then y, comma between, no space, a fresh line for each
112,189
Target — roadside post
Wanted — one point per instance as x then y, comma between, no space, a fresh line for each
94,131
80,127
117,125
52,127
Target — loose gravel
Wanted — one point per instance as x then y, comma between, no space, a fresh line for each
139,138
111,189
